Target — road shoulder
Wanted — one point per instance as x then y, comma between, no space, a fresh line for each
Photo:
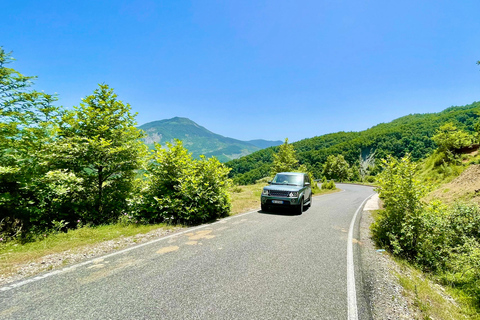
383,292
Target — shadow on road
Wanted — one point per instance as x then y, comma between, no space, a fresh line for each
281,211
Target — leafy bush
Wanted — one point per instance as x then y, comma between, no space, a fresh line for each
398,226
328,185
433,236
182,189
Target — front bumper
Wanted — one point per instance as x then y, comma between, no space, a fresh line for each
279,201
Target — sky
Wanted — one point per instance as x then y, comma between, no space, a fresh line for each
253,69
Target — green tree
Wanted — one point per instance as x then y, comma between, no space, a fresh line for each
285,160
28,123
336,167
101,145
450,139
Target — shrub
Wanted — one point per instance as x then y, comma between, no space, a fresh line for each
398,226
184,190
328,185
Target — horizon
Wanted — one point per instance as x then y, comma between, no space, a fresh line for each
253,69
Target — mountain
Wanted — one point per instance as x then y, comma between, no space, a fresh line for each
200,141
409,134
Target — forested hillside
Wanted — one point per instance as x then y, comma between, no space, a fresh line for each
198,140
410,134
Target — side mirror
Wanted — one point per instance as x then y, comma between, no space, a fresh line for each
307,184
269,182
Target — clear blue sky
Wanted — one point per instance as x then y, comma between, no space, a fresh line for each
251,69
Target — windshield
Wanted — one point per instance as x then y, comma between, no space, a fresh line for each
290,179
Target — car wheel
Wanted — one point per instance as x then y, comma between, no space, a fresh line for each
264,208
309,202
300,207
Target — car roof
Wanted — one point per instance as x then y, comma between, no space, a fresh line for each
291,173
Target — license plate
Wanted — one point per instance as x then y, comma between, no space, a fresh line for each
277,202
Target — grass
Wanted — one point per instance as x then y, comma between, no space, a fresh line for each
246,198
431,300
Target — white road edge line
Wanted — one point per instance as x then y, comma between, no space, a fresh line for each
49,274
351,291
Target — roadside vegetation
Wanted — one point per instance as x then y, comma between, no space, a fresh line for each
70,178
61,169
440,239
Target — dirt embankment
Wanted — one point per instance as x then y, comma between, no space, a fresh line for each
465,187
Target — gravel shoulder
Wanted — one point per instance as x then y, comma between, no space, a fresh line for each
65,258
384,293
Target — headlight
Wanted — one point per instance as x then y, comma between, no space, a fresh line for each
293,194
265,192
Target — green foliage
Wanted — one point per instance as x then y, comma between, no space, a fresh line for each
337,168
27,127
410,134
398,227
183,189
450,140
100,144
431,235
62,169
197,139
285,160
328,185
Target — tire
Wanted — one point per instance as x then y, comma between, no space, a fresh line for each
264,208
299,208
309,202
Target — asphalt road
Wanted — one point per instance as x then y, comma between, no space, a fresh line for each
251,266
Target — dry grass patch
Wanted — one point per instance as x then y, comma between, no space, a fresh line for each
246,198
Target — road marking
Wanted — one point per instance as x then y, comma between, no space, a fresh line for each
84,263
351,291
81,264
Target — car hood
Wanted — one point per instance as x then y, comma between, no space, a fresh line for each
282,187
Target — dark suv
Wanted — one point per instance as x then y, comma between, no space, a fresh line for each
288,189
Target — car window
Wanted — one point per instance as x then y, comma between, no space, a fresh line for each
288,179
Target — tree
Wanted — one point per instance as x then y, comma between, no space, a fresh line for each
100,144
449,139
28,124
336,167
285,160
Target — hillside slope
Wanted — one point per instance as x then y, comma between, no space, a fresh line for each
410,134
465,187
198,140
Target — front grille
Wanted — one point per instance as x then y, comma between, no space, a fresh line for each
279,193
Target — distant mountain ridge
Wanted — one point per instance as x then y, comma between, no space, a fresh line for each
199,140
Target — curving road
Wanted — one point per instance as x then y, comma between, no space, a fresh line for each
250,266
